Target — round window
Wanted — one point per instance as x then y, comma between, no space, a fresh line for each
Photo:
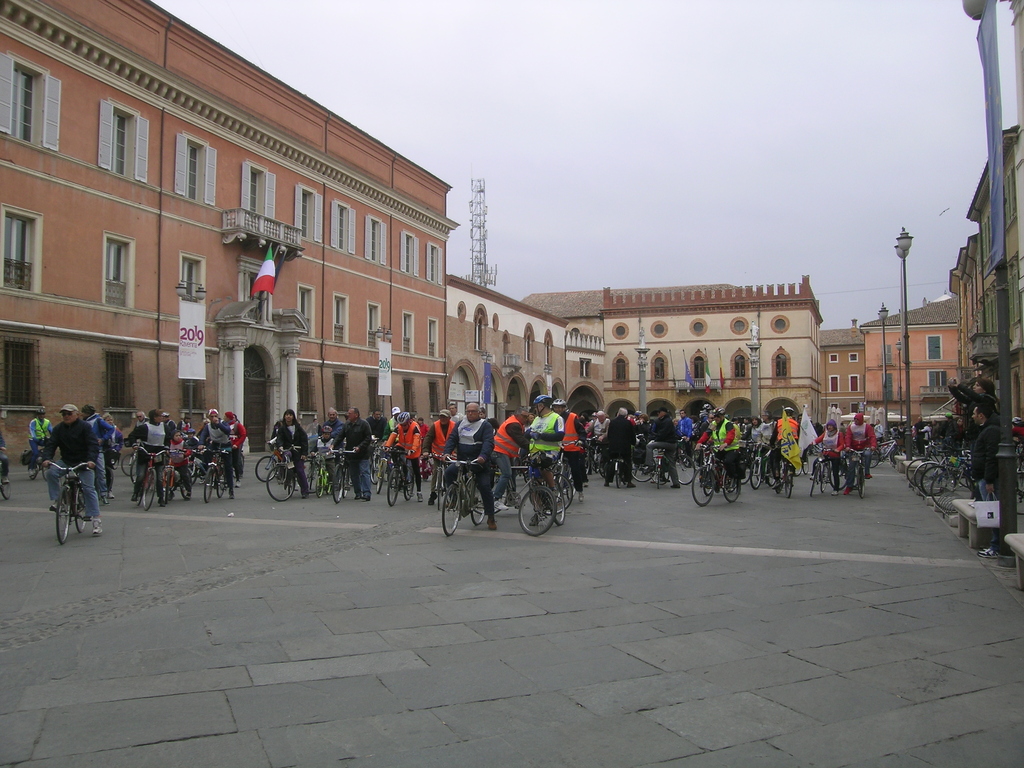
739,325
494,321
462,310
780,324
659,329
620,331
698,328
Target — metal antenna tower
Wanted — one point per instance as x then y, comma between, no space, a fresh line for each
481,274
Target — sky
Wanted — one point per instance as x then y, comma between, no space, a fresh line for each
659,143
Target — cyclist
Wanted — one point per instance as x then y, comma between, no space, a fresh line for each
472,440
833,443
510,441
76,442
664,437
391,423
724,437
433,443
775,457
104,434
546,434
114,448
179,453
621,440
356,437
151,436
38,430
860,436
572,445
216,436
684,432
407,437
238,435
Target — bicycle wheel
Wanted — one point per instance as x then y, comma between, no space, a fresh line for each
323,482
476,513
149,488
395,481
338,485
127,464
686,468
210,484
787,481
657,476
618,474
731,489
281,485
642,473
382,474
407,485
63,514
450,510
703,487
5,490
815,477
79,504
944,482
222,481
537,510
265,468
564,486
860,480
561,505
756,470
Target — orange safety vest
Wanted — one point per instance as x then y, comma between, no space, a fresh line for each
571,436
437,444
502,442
408,438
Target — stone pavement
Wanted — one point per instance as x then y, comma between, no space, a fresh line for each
830,631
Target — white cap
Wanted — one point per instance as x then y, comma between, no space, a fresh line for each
395,411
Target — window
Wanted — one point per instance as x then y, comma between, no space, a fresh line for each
29,103
658,369
192,275
341,391
407,329
887,391
780,324
934,347
1009,196
621,369
195,171
376,241
410,259
698,327
409,395
116,263
620,331
528,344
888,354
479,329
307,395
854,357
435,270
124,141
699,367
739,325
117,379
21,378
739,367
833,357
259,190
833,383
373,400
434,396
309,213
658,329
305,306
20,248
584,368
854,383
432,338
340,321
343,229
372,324
781,366
547,348
937,379
193,395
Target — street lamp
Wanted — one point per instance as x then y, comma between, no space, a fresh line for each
883,314
903,243
189,293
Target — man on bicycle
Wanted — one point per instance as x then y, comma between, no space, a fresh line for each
151,436
510,442
860,437
355,439
572,445
38,430
725,439
76,442
407,437
472,440
433,443
546,434
216,436
664,438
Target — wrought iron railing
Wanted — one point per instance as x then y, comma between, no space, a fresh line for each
18,274
115,293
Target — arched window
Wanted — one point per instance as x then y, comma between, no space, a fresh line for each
699,370
621,369
479,326
659,368
548,343
739,367
506,344
781,366
528,344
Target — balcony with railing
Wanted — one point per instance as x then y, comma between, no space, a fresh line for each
407,346
371,339
933,391
682,385
115,293
18,274
984,347
339,334
511,363
255,230
584,342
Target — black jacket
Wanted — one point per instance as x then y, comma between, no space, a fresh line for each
984,465
297,443
621,436
76,442
355,436
664,430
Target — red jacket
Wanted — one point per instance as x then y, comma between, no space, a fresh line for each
238,434
840,444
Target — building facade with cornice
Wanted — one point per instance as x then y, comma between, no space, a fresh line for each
704,330
842,366
139,155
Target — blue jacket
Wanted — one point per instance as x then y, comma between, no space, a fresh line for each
483,442
103,430
685,427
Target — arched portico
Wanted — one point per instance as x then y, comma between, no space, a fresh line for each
774,407
738,408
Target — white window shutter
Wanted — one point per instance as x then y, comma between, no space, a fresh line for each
141,149
106,150
368,240
6,92
416,256
246,172
210,194
350,221
51,114
180,163
318,218
298,207
270,207
440,265
430,263
335,223
383,244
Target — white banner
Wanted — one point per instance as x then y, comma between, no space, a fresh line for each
384,369
191,340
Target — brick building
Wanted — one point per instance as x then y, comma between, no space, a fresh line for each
139,155
842,366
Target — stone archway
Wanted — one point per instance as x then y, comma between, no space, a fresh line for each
693,408
738,408
774,407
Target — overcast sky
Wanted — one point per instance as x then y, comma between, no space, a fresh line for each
663,142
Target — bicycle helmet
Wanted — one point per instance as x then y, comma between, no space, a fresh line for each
559,401
545,399
1018,421
395,411
719,411
41,411
403,417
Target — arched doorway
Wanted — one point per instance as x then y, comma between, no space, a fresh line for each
257,402
738,408
660,402
693,408
774,407
514,398
457,388
614,405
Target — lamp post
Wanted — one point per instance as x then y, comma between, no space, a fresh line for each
883,314
193,294
641,363
903,243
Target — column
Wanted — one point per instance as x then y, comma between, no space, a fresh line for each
291,389
238,381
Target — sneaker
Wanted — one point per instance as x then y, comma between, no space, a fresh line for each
989,553
104,500
846,491
97,528
835,493
110,495
419,496
500,506
867,476
432,499
53,507
238,482
579,496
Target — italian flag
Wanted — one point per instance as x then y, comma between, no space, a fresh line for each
268,272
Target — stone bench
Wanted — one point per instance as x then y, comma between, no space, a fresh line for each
968,525
1015,541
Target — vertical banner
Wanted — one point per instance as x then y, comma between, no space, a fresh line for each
994,132
384,369
191,340
487,384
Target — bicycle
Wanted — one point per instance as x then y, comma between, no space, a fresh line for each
281,484
342,474
821,475
758,468
70,500
459,499
267,465
150,479
321,480
685,466
398,477
539,507
660,473
855,458
712,477
128,463
216,480
379,465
